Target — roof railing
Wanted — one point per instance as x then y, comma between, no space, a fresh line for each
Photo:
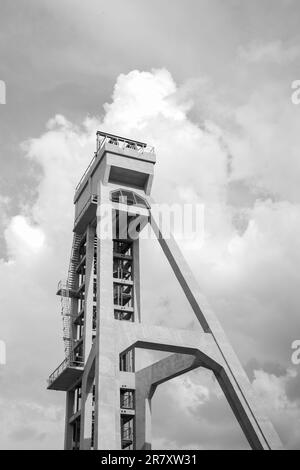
120,142
123,143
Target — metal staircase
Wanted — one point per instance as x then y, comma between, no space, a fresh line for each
67,290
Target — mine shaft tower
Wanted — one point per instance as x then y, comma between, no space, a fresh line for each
108,402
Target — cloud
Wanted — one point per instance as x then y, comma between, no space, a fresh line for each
28,426
264,147
248,273
132,108
274,51
284,412
252,281
191,412
23,238
293,386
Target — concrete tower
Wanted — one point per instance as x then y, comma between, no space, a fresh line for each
108,404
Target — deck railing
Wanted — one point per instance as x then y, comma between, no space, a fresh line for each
124,144
68,362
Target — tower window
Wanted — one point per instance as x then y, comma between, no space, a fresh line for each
127,399
128,197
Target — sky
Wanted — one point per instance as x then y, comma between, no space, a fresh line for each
209,84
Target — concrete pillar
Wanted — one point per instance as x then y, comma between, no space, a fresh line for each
107,400
142,418
147,380
86,411
136,279
88,308
68,427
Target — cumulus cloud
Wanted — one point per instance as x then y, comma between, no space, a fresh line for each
133,109
193,413
283,411
248,271
28,425
22,238
265,147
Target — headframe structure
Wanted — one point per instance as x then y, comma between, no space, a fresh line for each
108,402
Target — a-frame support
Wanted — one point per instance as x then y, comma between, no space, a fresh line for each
208,348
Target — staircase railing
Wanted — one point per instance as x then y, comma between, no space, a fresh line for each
67,289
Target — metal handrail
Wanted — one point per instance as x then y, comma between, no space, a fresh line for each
63,285
127,403
120,142
86,171
93,199
124,144
67,362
